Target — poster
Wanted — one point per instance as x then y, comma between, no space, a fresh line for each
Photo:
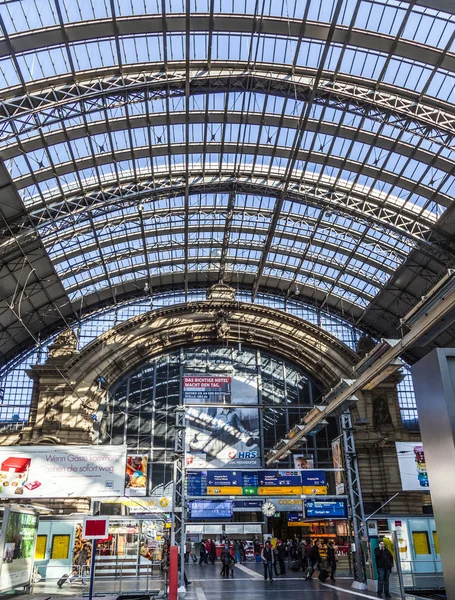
223,436
337,457
18,536
136,475
412,465
303,461
206,389
61,471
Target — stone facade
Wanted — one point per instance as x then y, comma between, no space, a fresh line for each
70,387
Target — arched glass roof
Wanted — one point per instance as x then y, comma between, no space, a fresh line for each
300,147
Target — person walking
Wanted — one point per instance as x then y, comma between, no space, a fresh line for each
80,567
332,560
243,546
212,552
187,551
384,566
275,559
226,560
237,551
267,561
203,554
314,560
282,557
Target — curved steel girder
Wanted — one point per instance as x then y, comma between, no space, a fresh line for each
247,225
200,148
284,27
251,263
54,101
331,129
317,193
155,245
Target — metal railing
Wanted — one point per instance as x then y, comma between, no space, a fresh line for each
414,575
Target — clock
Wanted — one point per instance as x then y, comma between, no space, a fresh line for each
268,509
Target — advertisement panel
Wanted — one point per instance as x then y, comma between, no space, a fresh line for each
224,436
412,465
337,457
136,475
207,389
303,461
149,504
62,471
18,542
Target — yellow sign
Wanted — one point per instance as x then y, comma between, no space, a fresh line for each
317,490
224,491
40,549
60,546
297,524
280,491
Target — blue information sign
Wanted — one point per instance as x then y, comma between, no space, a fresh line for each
314,478
280,478
196,483
224,478
329,509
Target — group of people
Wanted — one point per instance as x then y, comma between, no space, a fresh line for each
207,551
298,556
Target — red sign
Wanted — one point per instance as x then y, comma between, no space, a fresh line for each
95,528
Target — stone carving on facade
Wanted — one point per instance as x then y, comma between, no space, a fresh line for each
51,421
64,345
222,326
381,412
221,292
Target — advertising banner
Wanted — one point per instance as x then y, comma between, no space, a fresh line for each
18,543
412,465
61,471
337,457
207,389
218,437
303,461
136,475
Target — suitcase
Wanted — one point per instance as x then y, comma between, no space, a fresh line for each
62,580
323,575
308,573
295,565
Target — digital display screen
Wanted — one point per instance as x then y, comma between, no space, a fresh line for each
330,509
211,509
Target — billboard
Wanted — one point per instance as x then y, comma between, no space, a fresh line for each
222,437
61,471
303,461
18,548
412,465
136,475
207,389
337,457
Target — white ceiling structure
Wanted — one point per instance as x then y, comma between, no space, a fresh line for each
301,147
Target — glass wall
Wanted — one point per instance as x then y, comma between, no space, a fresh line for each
267,396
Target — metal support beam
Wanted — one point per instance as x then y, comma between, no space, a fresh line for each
429,320
179,506
355,496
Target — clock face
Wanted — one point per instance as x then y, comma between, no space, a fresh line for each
268,509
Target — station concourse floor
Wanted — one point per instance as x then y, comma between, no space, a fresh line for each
207,584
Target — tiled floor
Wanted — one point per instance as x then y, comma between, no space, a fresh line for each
207,584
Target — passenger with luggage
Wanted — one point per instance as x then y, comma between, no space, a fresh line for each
314,562
384,566
267,561
275,559
79,568
227,561
332,560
